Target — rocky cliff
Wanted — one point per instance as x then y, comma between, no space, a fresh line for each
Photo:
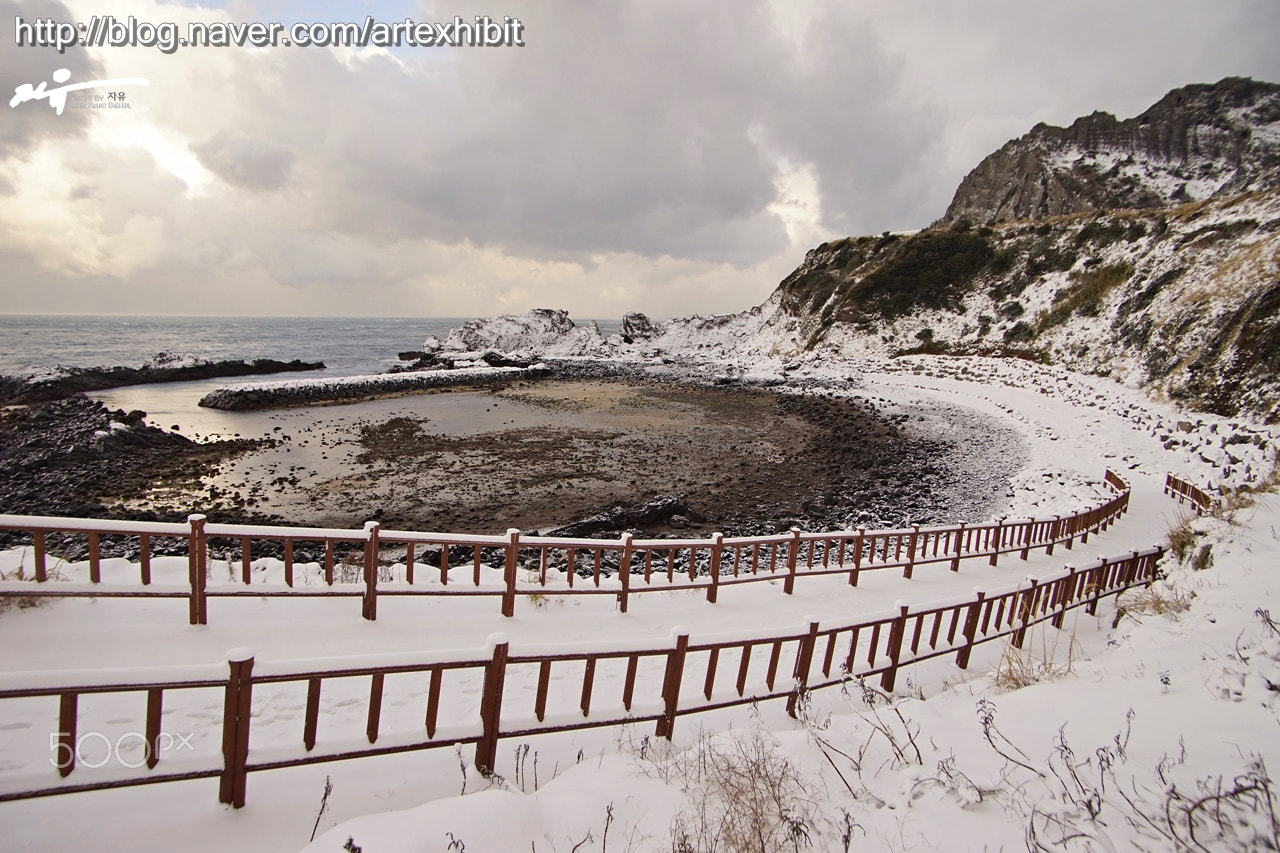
1196,142
1184,301
1081,246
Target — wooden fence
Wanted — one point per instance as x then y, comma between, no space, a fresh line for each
759,666
550,565
1178,488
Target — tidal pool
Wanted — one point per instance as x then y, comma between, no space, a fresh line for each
543,454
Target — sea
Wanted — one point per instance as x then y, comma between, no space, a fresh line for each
347,346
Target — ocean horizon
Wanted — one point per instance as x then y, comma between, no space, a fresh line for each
347,345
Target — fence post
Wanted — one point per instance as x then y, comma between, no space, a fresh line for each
911,551
509,572
955,561
717,542
970,628
196,569
235,727
495,673
1151,563
1028,600
371,571
37,547
1130,571
857,556
67,740
1095,593
793,551
624,572
1064,597
896,633
995,552
804,659
1053,535
671,683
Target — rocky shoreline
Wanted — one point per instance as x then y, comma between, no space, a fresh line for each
815,460
78,458
16,390
349,389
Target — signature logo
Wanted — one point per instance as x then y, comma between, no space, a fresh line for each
58,97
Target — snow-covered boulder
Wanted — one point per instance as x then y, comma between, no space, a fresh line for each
636,326
542,332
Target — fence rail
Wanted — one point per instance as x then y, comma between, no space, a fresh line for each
1184,491
759,666
551,565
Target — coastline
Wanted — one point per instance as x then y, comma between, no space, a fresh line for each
735,458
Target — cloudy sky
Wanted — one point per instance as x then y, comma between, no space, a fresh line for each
668,157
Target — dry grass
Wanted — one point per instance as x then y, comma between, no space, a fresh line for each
1084,295
1155,600
1045,660
743,795
1181,537
537,599
24,602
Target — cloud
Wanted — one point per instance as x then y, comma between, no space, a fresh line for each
636,155
246,162
24,128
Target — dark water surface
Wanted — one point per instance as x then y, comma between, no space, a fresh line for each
348,346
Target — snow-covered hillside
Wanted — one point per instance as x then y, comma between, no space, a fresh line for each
1184,302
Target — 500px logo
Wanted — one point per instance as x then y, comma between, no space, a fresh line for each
87,750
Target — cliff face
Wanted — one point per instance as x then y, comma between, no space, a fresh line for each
1197,142
1184,301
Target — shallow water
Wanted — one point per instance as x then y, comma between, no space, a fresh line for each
449,413
314,444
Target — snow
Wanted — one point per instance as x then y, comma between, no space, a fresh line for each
1159,704
459,374
101,525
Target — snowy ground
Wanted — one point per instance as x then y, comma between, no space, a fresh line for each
1130,728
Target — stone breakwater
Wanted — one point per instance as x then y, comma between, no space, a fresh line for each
349,389
76,380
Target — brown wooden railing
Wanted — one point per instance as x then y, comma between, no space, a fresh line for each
759,666
1178,488
550,565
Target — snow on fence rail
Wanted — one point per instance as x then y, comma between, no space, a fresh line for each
620,567
1182,490
817,654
